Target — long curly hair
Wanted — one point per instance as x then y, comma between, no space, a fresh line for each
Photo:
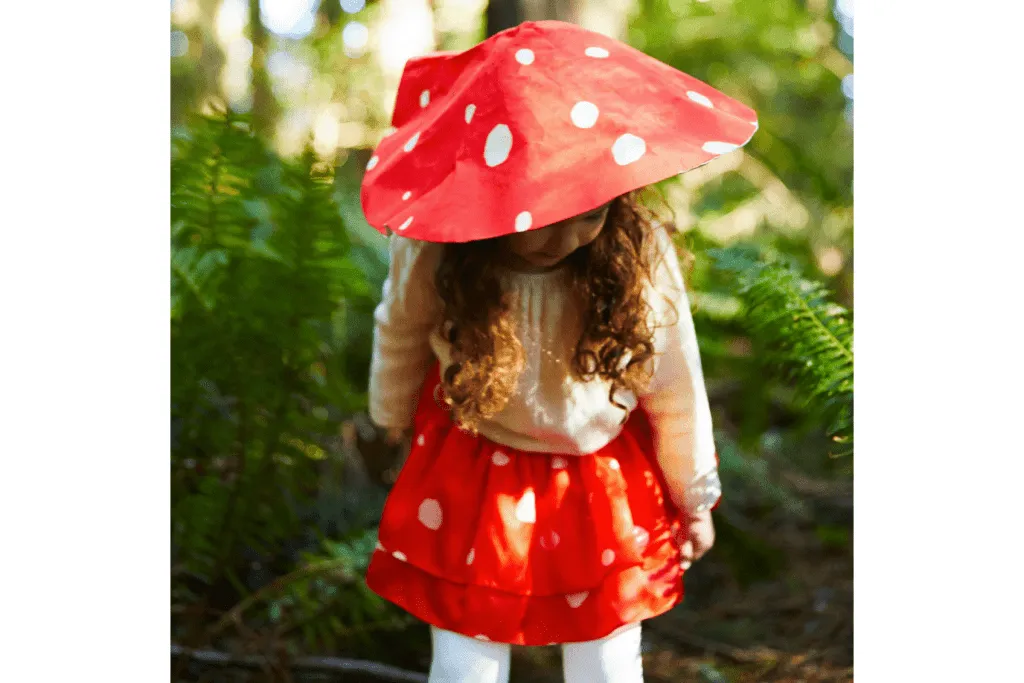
609,279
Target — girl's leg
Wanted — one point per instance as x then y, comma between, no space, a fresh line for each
459,659
614,659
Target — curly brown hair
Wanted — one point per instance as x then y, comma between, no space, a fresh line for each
608,280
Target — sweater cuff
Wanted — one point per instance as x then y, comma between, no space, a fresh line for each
704,492
387,420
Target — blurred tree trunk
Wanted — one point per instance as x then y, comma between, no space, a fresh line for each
264,106
330,12
562,10
609,17
502,14
204,83
212,61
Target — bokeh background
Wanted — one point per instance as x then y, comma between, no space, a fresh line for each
278,478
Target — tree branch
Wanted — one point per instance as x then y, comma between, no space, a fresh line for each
334,664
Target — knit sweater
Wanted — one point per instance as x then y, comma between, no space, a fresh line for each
551,411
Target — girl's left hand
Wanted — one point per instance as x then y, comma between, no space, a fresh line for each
700,536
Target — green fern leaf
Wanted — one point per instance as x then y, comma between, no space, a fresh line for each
804,335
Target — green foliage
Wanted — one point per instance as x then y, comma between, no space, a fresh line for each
789,192
262,286
780,58
323,601
798,331
836,537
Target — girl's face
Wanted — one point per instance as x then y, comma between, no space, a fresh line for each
548,246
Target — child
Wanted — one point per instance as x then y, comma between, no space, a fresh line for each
535,335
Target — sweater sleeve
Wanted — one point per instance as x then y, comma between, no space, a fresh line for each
676,400
403,321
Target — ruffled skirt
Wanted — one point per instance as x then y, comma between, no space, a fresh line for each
522,547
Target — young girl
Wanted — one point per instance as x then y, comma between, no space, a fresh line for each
535,339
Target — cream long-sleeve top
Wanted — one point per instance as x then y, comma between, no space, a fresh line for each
552,411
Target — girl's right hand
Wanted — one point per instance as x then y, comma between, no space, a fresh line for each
401,441
700,536
395,436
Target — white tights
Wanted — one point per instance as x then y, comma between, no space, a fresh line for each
460,659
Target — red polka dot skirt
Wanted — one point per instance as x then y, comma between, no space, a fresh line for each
522,547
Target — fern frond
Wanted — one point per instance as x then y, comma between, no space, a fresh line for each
260,270
803,335
311,598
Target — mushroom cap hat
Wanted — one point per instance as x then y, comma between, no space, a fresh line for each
536,124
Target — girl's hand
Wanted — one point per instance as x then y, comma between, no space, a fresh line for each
700,536
401,441
394,436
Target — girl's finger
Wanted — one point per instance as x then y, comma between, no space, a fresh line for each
686,550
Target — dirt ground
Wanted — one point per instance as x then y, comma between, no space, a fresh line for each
796,627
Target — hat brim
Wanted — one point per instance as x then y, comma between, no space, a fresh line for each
605,127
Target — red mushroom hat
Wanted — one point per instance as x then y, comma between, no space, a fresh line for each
537,124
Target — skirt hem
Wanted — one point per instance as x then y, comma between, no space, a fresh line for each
491,614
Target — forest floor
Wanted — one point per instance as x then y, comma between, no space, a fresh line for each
794,627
